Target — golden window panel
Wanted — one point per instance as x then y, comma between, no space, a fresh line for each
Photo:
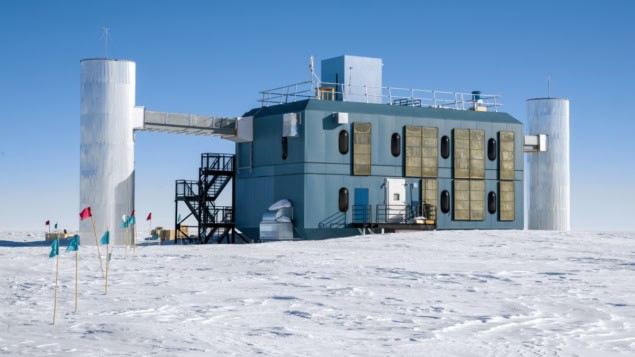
429,198
461,153
413,151
361,149
461,200
477,154
477,200
506,155
507,208
429,152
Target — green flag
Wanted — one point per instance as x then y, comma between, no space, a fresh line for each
55,248
178,219
74,244
131,220
105,239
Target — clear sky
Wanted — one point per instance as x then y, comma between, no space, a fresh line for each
210,57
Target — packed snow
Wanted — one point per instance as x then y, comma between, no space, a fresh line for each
452,293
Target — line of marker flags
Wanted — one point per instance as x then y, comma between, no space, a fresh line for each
74,244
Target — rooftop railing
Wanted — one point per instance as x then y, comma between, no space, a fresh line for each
384,95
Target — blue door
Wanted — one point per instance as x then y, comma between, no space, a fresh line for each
361,209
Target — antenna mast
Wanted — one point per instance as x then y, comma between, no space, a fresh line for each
105,34
548,86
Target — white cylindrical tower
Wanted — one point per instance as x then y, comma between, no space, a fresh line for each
107,97
549,190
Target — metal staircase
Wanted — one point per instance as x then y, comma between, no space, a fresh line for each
215,224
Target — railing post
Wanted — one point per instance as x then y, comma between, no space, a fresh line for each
495,105
434,99
412,95
389,96
366,92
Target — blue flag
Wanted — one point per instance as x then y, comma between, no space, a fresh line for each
55,225
55,248
74,244
131,220
124,225
178,219
105,239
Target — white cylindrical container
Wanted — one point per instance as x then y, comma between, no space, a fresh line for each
549,181
106,177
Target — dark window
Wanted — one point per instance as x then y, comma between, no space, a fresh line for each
491,202
445,201
285,147
395,145
491,149
343,199
445,147
343,142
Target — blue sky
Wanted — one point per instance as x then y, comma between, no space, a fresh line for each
213,57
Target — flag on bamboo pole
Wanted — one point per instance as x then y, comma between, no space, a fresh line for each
149,217
74,244
105,239
124,224
178,219
85,213
55,248
47,223
131,220
55,225
132,214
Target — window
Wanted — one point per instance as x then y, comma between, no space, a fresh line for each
361,149
445,147
491,149
395,144
395,197
491,202
343,142
445,201
343,199
285,148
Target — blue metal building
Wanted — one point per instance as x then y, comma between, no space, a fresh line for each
350,154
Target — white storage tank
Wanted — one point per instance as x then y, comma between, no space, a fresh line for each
549,181
107,98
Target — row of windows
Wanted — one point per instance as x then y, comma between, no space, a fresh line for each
445,201
395,145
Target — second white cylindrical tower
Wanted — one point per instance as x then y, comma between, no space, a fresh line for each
107,99
549,181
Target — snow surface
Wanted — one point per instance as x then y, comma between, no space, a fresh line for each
453,293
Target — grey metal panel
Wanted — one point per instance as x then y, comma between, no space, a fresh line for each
188,124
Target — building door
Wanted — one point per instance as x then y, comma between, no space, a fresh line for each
361,209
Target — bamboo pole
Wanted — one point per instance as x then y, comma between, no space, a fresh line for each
57,275
76,275
134,239
101,265
107,264
126,243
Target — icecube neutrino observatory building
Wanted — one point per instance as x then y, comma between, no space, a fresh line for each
337,155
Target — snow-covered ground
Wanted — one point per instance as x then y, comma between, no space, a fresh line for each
460,293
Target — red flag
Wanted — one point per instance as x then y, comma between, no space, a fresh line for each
85,213
132,214
149,216
48,223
